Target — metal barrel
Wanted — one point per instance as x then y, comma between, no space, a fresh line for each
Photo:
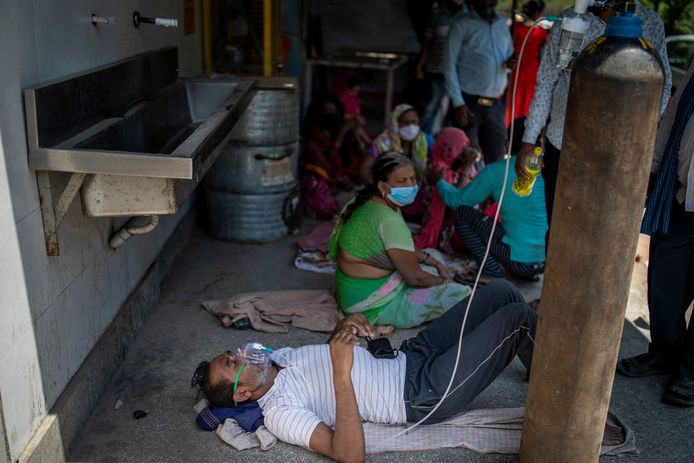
251,218
272,118
255,169
251,193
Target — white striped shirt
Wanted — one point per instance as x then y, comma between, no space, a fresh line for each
303,394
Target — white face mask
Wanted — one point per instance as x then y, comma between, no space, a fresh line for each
409,132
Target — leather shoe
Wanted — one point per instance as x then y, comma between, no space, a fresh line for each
680,393
644,365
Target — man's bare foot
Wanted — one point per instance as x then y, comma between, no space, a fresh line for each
384,330
468,278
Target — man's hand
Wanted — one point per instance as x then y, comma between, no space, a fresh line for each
511,62
462,116
356,324
342,351
525,150
441,270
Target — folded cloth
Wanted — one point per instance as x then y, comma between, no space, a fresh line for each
266,438
317,239
248,415
272,311
483,431
234,435
314,261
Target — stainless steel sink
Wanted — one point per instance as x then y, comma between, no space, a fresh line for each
147,136
132,118
160,124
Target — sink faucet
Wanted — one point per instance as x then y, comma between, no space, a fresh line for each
96,20
166,22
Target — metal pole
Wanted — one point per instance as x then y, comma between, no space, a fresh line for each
390,86
609,134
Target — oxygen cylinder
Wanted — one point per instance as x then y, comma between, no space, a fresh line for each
609,136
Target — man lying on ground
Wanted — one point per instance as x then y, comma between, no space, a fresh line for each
317,396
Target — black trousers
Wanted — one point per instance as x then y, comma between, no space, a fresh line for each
499,326
549,175
474,228
487,127
671,291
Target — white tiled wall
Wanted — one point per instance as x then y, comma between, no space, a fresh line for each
53,309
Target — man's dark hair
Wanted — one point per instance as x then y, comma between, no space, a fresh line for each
533,7
219,395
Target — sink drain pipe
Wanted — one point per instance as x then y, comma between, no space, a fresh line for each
122,235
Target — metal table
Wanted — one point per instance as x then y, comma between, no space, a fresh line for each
388,62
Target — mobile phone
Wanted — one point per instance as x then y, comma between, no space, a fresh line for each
381,348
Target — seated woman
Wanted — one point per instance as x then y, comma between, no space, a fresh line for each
518,244
347,87
452,156
330,146
403,135
331,155
379,272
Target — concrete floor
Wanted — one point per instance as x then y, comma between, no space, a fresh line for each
156,373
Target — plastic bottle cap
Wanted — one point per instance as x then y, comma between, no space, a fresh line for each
537,151
625,25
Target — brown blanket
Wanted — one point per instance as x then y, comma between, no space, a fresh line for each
271,311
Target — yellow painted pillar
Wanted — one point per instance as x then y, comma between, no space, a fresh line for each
207,36
267,37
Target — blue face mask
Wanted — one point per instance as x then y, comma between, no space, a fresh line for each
403,196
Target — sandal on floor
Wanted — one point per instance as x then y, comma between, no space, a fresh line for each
469,279
680,393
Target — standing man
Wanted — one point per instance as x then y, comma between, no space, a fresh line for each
430,62
477,59
552,89
669,220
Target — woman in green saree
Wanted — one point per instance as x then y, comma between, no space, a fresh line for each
379,272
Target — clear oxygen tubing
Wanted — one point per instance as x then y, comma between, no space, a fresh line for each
507,157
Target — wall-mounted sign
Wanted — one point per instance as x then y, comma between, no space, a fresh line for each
189,16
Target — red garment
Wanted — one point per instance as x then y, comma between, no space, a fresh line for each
350,103
449,143
530,63
316,147
346,161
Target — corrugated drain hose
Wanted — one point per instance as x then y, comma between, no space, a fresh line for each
122,235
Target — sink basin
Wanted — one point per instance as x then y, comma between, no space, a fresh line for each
161,124
133,118
146,137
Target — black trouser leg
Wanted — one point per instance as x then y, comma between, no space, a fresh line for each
549,175
671,290
499,326
474,228
444,332
492,133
